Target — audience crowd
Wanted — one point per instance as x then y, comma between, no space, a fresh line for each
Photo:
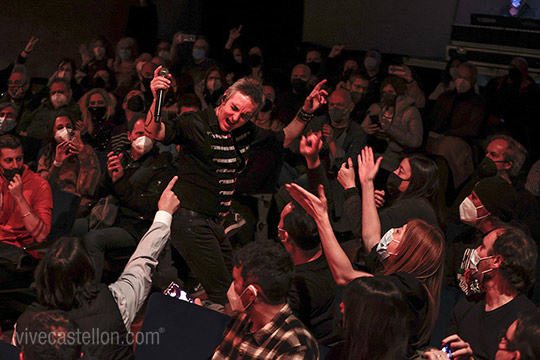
399,219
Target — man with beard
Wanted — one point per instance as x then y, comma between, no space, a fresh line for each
25,202
503,267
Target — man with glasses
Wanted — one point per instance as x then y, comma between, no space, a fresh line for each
522,339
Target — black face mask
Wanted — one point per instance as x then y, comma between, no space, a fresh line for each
136,104
98,112
268,105
314,67
9,174
146,82
98,82
392,185
389,99
254,60
515,75
299,86
486,168
347,74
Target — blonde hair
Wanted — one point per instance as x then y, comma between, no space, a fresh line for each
110,104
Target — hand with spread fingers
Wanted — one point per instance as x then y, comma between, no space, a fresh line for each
367,167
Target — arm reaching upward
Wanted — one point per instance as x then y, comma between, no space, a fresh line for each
339,263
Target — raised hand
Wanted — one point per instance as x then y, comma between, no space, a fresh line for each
160,82
30,45
310,147
367,168
346,175
235,33
336,50
316,98
315,206
168,201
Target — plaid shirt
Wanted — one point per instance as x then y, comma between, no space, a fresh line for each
284,337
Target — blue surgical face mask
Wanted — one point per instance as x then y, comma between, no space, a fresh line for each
198,54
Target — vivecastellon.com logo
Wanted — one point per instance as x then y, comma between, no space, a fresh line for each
93,337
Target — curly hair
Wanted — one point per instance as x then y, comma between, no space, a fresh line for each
519,255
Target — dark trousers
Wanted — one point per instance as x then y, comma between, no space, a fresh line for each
207,251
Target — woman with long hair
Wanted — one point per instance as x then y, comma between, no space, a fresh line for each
411,256
67,163
374,321
98,109
212,87
411,190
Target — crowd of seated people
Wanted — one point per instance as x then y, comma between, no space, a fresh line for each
401,219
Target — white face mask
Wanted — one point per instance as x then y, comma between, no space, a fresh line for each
468,212
6,125
370,63
382,246
462,86
58,100
62,135
142,144
235,299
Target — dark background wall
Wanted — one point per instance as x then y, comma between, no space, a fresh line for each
417,27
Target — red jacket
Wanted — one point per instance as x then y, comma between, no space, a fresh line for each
37,194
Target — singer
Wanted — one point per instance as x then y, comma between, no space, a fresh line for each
214,145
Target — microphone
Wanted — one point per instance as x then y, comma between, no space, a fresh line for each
160,97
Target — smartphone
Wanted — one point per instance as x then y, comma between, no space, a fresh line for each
396,70
186,38
447,351
375,119
174,290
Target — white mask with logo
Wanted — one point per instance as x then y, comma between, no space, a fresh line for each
142,144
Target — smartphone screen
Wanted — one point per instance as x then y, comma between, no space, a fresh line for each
374,119
175,291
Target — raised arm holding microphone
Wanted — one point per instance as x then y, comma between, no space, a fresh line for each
214,145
